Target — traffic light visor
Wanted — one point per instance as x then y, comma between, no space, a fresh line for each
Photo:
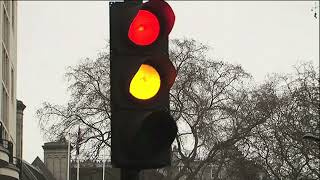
144,29
164,13
146,83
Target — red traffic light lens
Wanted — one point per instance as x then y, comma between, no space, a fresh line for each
144,29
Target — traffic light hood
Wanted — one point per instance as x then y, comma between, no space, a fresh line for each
164,13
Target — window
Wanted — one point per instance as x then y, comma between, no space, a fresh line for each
7,6
12,85
5,86
5,67
4,107
212,172
5,29
13,14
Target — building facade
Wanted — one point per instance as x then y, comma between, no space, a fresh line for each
56,158
10,148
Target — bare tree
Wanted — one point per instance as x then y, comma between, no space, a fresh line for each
88,107
218,111
212,103
278,142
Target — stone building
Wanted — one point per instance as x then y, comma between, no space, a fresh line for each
10,137
55,165
56,156
11,151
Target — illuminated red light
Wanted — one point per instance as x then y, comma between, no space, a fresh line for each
144,29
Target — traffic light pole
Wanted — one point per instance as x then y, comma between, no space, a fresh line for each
129,174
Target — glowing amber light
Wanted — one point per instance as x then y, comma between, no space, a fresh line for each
146,83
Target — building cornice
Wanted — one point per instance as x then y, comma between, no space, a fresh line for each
20,106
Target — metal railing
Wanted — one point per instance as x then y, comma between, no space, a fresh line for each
3,141
90,162
17,162
4,133
6,145
12,160
1,131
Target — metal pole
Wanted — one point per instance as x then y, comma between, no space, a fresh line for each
103,170
129,174
68,170
78,168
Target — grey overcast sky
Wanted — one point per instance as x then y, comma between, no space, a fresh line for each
264,37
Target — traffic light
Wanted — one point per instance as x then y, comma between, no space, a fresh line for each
141,76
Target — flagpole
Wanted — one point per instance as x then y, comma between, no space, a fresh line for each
103,173
78,167
104,164
77,148
78,141
68,170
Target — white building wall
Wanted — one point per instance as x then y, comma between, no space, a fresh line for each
12,66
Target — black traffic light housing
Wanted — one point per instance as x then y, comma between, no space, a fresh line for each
142,129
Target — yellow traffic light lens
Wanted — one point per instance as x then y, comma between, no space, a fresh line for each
146,83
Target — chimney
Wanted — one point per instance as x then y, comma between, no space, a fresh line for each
56,158
19,130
